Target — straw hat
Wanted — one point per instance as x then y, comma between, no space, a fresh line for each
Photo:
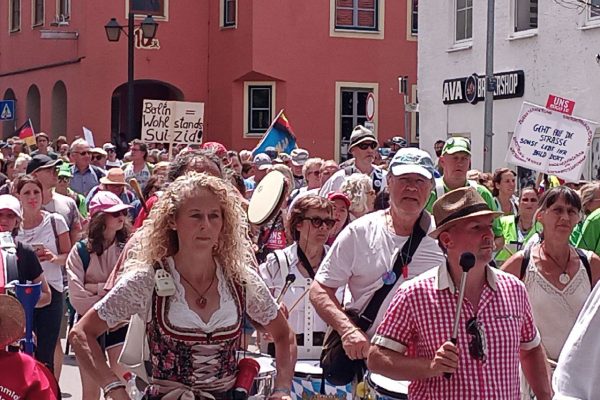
457,206
12,320
114,176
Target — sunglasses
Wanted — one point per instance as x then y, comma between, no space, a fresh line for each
477,345
64,178
317,172
97,158
118,214
82,153
317,222
367,145
110,150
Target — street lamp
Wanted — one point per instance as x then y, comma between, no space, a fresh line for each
113,33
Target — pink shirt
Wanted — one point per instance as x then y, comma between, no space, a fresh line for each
420,320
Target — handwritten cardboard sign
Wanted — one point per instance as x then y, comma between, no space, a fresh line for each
172,121
550,142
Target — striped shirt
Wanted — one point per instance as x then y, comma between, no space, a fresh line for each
420,319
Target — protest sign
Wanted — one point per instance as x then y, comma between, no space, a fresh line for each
172,121
550,142
88,136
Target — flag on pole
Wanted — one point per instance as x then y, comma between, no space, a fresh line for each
279,135
26,133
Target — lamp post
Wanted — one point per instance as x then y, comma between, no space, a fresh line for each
113,33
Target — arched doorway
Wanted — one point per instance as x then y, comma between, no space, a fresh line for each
8,127
59,110
143,89
33,107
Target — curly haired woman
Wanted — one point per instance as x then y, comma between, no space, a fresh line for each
196,234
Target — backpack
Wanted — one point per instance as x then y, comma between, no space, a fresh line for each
580,253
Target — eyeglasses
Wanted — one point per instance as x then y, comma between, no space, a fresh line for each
117,214
64,178
317,172
477,344
367,145
81,153
317,222
110,150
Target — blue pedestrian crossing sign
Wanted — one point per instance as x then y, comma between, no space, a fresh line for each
7,110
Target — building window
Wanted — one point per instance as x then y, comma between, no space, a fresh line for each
526,15
356,14
594,7
38,12
464,20
148,7
260,108
414,17
15,15
353,111
63,10
229,12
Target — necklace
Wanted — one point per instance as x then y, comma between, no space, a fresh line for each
201,300
563,278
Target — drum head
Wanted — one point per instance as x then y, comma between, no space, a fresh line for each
308,367
267,198
388,387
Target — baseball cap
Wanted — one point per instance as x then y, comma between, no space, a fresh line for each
65,170
40,161
10,202
299,157
107,202
271,152
361,134
216,147
338,196
399,140
262,161
411,160
457,144
98,150
108,146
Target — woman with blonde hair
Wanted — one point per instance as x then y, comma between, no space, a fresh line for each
359,190
190,278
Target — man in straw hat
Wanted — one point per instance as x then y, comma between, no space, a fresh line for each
22,377
496,330
362,256
114,182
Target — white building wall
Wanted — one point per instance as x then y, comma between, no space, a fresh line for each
559,58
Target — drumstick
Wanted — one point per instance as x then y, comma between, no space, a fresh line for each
298,301
467,261
289,279
135,185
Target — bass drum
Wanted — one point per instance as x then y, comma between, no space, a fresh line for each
306,384
382,388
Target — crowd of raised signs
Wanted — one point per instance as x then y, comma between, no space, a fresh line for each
57,196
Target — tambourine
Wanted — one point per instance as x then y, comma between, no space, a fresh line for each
267,198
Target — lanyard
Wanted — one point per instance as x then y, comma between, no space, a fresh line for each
305,263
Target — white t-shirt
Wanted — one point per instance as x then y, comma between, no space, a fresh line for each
362,253
334,183
44,234
64,206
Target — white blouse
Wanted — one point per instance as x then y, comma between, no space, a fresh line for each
132,294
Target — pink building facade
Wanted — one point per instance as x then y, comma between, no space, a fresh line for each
246,60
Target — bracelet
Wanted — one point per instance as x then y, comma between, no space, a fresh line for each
112,386
282,390
351,331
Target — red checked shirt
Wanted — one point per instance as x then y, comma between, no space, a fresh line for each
420,319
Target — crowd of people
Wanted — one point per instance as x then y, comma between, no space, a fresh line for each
156,246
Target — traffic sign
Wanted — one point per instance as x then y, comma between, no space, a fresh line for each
7,110
370,112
